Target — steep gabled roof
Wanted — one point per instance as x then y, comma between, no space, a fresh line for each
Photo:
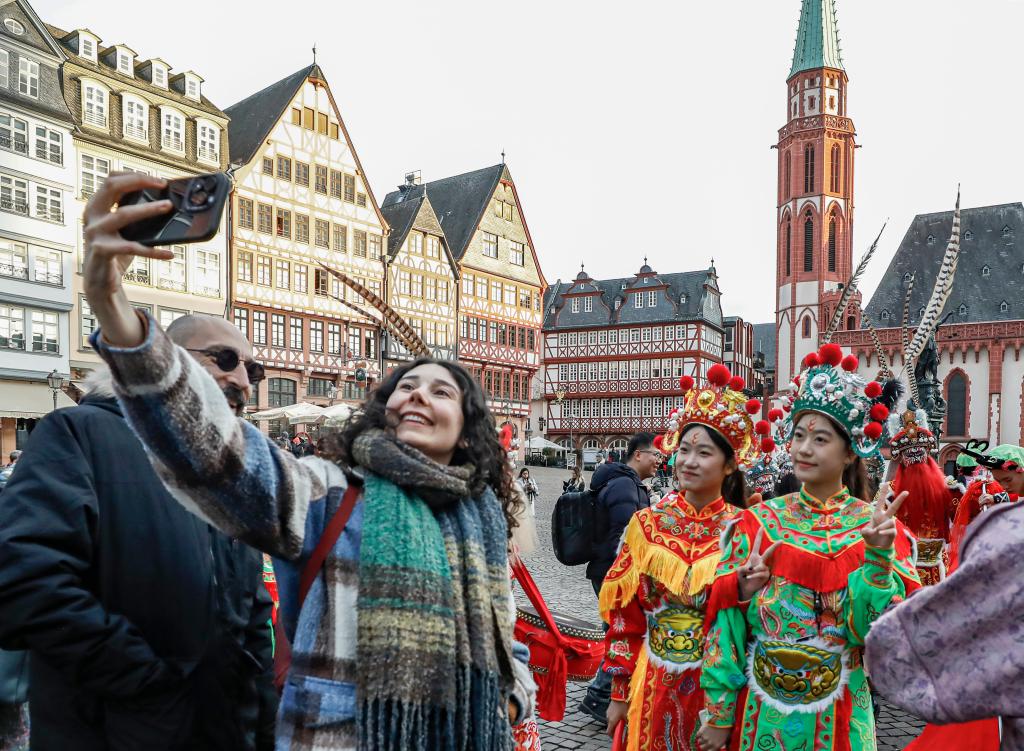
459,201
400,217
817,38
254,117
990,271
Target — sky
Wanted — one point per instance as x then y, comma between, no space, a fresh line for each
631,129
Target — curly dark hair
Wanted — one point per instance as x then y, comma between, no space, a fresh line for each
478,444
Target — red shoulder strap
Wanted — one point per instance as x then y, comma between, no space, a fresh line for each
330,536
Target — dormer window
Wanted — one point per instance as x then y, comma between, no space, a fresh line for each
14,26
931,239
885,315
1004,306
94,104
87,47
575,305
962,310
124,63
1007,231
907,277
160,76
986,271
618,303
192,89
208,136
173,130
968,235
638,300
588,304
136,118
682,299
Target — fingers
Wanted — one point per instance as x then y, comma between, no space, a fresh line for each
771,549
113,221
114,248
115,187
892,508
754,554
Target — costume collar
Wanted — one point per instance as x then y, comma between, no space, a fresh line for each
828,506
712,509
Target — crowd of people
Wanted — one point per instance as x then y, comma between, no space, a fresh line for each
172,578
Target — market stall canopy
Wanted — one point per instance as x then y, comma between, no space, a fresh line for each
31,400
294,413
540,443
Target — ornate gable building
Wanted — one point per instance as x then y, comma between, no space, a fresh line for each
301,200
501,284
142,115
422,275
614,351
37,222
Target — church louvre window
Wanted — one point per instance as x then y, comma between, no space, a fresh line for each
835,168
809,169
956,405
808,242
832,243
789,247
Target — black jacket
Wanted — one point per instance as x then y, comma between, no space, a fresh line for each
147,629
620,494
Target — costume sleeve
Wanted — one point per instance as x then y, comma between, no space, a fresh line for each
48,518
218,466
627,626
951,652
724,670
872,588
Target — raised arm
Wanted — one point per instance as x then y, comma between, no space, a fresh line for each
216,464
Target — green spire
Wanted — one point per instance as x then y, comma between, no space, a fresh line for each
817,39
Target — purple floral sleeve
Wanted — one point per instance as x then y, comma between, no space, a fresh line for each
955,652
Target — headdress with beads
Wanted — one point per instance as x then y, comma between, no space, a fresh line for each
721,405
829,385
763,476
911,440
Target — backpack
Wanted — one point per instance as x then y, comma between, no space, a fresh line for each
573,524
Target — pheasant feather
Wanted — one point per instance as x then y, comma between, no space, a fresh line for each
940,293
850,288
883,360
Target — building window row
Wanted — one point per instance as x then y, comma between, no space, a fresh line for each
496,291
421,244
194,270
637,406
621,370
36,141
325,181
278,221
423,286
320,122
27,329
19,196
691,335
498,332
504,210
513,385
44,266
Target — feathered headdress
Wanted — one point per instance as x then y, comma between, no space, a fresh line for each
849,289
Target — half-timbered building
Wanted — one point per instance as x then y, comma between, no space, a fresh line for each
614,351
301,203
422,275
499,307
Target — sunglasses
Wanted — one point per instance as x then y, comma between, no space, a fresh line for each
227,360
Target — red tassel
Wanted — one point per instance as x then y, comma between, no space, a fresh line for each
725,594
844,710
551,689
926,510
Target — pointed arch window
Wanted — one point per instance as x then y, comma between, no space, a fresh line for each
836,164
956,404
851,323
808,169
808,241
789,246
832,241
806,327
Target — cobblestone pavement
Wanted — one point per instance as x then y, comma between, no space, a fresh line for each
567,590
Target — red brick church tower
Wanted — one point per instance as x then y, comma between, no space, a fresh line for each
815,201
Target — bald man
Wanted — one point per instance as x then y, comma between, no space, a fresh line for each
147,628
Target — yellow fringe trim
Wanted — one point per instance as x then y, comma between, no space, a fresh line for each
679,577
636,700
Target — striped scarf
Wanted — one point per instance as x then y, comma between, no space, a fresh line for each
434,627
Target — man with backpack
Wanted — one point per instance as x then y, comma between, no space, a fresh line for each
620,494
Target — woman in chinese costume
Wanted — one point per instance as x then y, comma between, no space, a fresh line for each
655,594
803,577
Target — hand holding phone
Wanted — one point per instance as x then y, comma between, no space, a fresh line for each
197,204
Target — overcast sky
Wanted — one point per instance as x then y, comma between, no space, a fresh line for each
634,128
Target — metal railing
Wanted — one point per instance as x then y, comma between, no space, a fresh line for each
15,207
207,291
18,147
50,214
14,271
134,131
174,285
208,154
137,277
95,118
13,342
47,277
175,144
51,347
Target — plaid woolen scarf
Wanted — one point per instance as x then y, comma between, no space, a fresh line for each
434,627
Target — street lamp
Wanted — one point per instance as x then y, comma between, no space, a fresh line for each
529,432
560,397
56,382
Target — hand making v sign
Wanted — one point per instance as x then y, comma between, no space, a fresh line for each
108,255
754,574
880,532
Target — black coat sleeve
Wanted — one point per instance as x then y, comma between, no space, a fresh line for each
47,520
259,642
621,501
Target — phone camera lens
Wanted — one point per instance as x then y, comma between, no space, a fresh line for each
199,198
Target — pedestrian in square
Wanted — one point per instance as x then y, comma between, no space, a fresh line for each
404,638
655,595
804,576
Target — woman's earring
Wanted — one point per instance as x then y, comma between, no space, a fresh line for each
463,443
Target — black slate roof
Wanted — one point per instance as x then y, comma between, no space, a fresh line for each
400,217
254,117
765,341
458,201
990,271
558,315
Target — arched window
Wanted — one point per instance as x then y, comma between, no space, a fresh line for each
832,242
956,404
836,166
789,246
809,169
851,323
787,172
806,330
808,241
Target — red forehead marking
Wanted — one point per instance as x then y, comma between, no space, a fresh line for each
694,438
812,423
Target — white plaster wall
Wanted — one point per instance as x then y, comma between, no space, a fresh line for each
807,294
1013,383
977,373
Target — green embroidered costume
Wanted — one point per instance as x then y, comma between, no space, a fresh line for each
785,670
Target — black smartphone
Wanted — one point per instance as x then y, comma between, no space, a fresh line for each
198,204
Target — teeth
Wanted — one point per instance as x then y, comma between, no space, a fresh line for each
415,418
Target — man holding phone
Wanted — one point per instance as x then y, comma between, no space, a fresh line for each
147,628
